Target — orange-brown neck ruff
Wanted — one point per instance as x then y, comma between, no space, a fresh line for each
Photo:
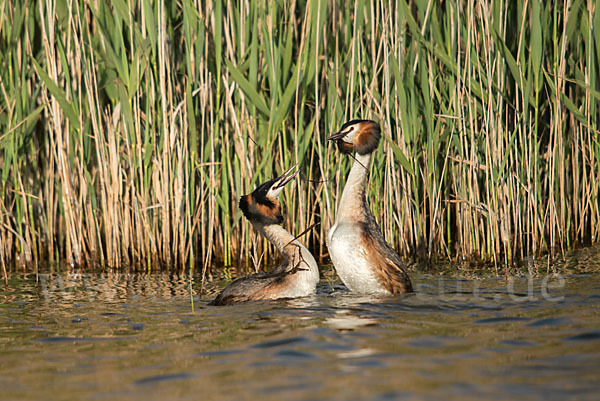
261,211
360,254
367,139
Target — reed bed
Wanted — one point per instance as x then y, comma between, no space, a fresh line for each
129,128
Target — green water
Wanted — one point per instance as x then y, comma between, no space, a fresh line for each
138,337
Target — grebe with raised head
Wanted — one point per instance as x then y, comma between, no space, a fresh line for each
360,255
297,275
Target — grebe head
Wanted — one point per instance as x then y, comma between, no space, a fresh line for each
360,136
262,205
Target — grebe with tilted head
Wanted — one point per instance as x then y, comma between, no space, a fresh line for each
297,275
360,255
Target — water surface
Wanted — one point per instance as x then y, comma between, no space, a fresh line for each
132,336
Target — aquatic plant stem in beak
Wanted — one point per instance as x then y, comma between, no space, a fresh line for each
337,135
285,178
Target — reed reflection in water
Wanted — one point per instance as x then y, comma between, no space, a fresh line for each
136,336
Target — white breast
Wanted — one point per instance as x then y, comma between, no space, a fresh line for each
349,257
305,281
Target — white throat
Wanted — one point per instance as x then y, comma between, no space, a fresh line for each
353,203
277,235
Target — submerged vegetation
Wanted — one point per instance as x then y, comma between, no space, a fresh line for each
129,128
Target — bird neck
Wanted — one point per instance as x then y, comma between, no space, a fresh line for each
281,238
353,204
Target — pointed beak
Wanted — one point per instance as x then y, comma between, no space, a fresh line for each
285,177
338,135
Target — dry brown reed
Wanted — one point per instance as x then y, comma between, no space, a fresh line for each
130,128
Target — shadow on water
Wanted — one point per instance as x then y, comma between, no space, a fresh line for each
120,336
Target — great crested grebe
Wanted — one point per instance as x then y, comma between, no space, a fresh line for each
360,255
297,275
